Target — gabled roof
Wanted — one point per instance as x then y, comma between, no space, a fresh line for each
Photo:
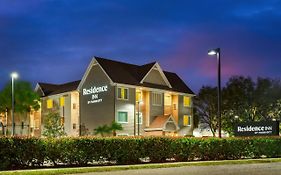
160,122
122,73
158,68
131,74
52,89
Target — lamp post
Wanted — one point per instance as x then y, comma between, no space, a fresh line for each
139,103
14,76
217,52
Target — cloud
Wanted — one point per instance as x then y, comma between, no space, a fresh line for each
54,40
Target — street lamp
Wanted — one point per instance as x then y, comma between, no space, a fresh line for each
14,76
217,52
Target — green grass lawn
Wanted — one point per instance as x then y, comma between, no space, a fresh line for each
58,171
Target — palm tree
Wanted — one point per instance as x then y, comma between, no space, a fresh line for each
104,129
115,127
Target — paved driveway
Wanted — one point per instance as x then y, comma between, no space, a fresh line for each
247,169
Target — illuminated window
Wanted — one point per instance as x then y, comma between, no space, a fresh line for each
186,120
156,99
62,101
122,117
49,103
138,96
122,93
167,100
186,101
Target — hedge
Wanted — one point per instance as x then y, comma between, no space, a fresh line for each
20,153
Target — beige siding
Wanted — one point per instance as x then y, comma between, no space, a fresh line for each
65,111
74,114
126,106
185,130
155,77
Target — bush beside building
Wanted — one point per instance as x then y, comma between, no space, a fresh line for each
19,153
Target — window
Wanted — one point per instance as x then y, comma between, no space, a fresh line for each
167,100
156,99
49,103
122,117
186,120
186,101
138,96
122,93
140,118
62,101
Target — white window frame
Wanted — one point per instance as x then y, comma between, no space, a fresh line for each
170,101
153,101
127,93
117,117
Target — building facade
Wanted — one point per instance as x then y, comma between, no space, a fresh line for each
144,99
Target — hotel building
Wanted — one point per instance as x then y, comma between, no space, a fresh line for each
144,99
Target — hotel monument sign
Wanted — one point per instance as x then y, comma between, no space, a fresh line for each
95,92
265,128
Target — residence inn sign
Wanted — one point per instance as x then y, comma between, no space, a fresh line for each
94,93
265,128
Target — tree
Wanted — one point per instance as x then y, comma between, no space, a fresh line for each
206,107
249,100
104,129
25,98
52,125
115,127
274,111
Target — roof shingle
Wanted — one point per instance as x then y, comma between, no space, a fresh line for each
132,74
52,89
123,73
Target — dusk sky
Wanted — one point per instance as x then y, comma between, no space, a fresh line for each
54,40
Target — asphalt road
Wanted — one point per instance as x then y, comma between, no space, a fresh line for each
247,169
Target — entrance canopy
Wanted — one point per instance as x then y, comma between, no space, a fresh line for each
163,123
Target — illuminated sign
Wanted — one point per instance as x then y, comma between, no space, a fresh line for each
265,128
94,92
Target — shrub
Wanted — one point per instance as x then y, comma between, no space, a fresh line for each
21,152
